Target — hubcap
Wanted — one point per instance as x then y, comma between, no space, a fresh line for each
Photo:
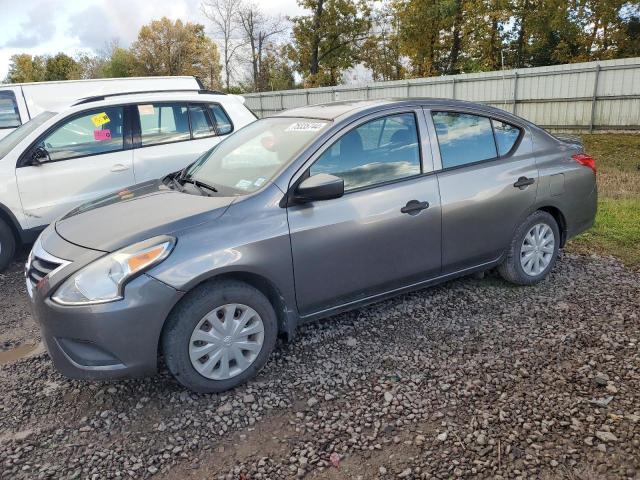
537,249
226,341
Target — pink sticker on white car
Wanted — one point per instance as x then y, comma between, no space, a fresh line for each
102,135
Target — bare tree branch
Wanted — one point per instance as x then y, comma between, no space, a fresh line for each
223,14
258,28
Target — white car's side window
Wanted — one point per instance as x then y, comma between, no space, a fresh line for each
9,115
164,123
223,123
201,125
93,132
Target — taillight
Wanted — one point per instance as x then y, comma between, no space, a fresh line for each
586,160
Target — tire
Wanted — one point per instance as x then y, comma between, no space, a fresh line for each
7,245
512,268
207,302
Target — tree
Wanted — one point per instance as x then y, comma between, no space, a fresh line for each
484,35
381,49
327,40
121,63
258,29
421,27
62,67
173,48
276,72
627,38
25,68
91,66
223,16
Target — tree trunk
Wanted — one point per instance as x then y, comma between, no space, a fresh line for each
592,38
457,40
314,68
258,64
521,35
254,63
494,49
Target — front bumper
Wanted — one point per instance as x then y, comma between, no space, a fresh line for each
105,341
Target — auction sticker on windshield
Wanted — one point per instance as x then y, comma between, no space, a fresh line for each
305,127
244,184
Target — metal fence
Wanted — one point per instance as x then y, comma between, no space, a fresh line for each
589,96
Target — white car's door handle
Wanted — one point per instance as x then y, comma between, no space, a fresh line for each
118,167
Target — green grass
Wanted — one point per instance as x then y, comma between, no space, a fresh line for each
617,228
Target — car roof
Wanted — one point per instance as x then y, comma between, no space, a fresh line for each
340,109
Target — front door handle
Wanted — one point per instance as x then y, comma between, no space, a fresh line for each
118,167
524,182
414,207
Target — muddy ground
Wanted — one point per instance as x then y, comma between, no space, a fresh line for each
474,378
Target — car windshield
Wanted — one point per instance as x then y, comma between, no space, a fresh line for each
253,155
9,142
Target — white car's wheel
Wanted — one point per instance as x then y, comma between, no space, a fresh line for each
7,245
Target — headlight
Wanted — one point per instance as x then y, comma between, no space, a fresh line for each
104,280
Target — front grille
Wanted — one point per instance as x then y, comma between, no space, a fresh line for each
40,268
40,265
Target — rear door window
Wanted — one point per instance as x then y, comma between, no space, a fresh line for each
463,138
163,123
223,123
9,113
93,132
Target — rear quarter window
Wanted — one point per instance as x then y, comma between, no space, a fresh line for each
223,122
506,136
9,113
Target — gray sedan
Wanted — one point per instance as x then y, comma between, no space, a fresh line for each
295,217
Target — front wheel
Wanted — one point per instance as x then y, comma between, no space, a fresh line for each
219,336
533,250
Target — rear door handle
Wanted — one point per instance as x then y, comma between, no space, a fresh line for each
524,182
118,167
414,207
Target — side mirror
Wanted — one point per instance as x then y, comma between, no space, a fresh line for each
39,155
320,186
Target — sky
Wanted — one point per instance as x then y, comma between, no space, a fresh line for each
40,27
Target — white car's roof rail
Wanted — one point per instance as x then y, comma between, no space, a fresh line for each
97,98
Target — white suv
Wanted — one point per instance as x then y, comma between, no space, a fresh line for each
57,161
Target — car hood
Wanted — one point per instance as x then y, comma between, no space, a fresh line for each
137,213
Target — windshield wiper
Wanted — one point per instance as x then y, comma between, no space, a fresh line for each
200,185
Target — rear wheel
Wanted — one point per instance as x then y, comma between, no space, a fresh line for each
219,336
533,250
7,245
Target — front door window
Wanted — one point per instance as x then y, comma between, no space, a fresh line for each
378,151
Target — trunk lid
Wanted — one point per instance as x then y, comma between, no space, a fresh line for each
572,140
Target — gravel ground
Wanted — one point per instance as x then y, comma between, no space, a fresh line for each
474,378
16,327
